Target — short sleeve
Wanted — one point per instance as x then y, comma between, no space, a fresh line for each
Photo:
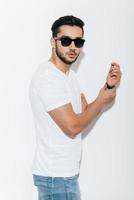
52,91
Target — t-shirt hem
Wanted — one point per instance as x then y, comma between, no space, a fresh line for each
56,174
57,105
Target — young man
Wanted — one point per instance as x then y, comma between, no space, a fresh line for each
61,112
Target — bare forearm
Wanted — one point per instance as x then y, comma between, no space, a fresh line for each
86,117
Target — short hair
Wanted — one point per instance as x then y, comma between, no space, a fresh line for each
66,20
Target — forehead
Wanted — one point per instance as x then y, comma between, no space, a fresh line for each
71,31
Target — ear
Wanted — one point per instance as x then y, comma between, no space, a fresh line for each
52,41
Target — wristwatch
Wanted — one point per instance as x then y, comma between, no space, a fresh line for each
109,86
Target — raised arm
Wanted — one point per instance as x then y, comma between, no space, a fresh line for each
73,123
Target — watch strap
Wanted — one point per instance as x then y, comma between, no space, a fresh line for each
109,86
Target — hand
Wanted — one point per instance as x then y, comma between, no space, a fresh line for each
114,74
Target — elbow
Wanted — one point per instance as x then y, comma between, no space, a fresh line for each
73,131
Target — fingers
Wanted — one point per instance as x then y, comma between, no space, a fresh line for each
115,70
115,73
116,64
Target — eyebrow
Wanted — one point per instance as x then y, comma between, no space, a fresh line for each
70,37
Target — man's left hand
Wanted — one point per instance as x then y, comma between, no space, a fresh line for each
114,74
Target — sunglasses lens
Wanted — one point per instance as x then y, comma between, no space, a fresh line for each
66,41
79,42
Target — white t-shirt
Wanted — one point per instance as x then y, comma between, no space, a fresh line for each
56,154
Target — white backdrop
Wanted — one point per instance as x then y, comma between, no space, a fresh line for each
106,171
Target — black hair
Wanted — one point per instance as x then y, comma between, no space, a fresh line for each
66,20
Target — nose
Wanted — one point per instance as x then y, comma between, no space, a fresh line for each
72,45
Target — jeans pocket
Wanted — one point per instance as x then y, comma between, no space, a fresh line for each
41,180
72,189
43,194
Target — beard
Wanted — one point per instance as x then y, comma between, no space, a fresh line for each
63,58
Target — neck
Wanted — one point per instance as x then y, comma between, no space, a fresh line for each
60,64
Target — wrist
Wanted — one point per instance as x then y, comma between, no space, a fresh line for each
99,101
110,86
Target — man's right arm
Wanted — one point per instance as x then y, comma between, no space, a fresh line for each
73,123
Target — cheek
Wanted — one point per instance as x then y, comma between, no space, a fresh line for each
62,50
60,47
78,51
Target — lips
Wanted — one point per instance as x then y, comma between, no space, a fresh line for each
71,54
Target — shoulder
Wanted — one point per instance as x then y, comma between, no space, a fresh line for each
45,76
45,68
45,71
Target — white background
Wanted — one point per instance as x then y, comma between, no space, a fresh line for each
107,165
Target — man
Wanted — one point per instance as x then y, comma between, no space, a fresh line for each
61,112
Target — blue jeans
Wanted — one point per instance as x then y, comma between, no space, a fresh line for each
57,188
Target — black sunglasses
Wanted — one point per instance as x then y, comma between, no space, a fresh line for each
66,41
